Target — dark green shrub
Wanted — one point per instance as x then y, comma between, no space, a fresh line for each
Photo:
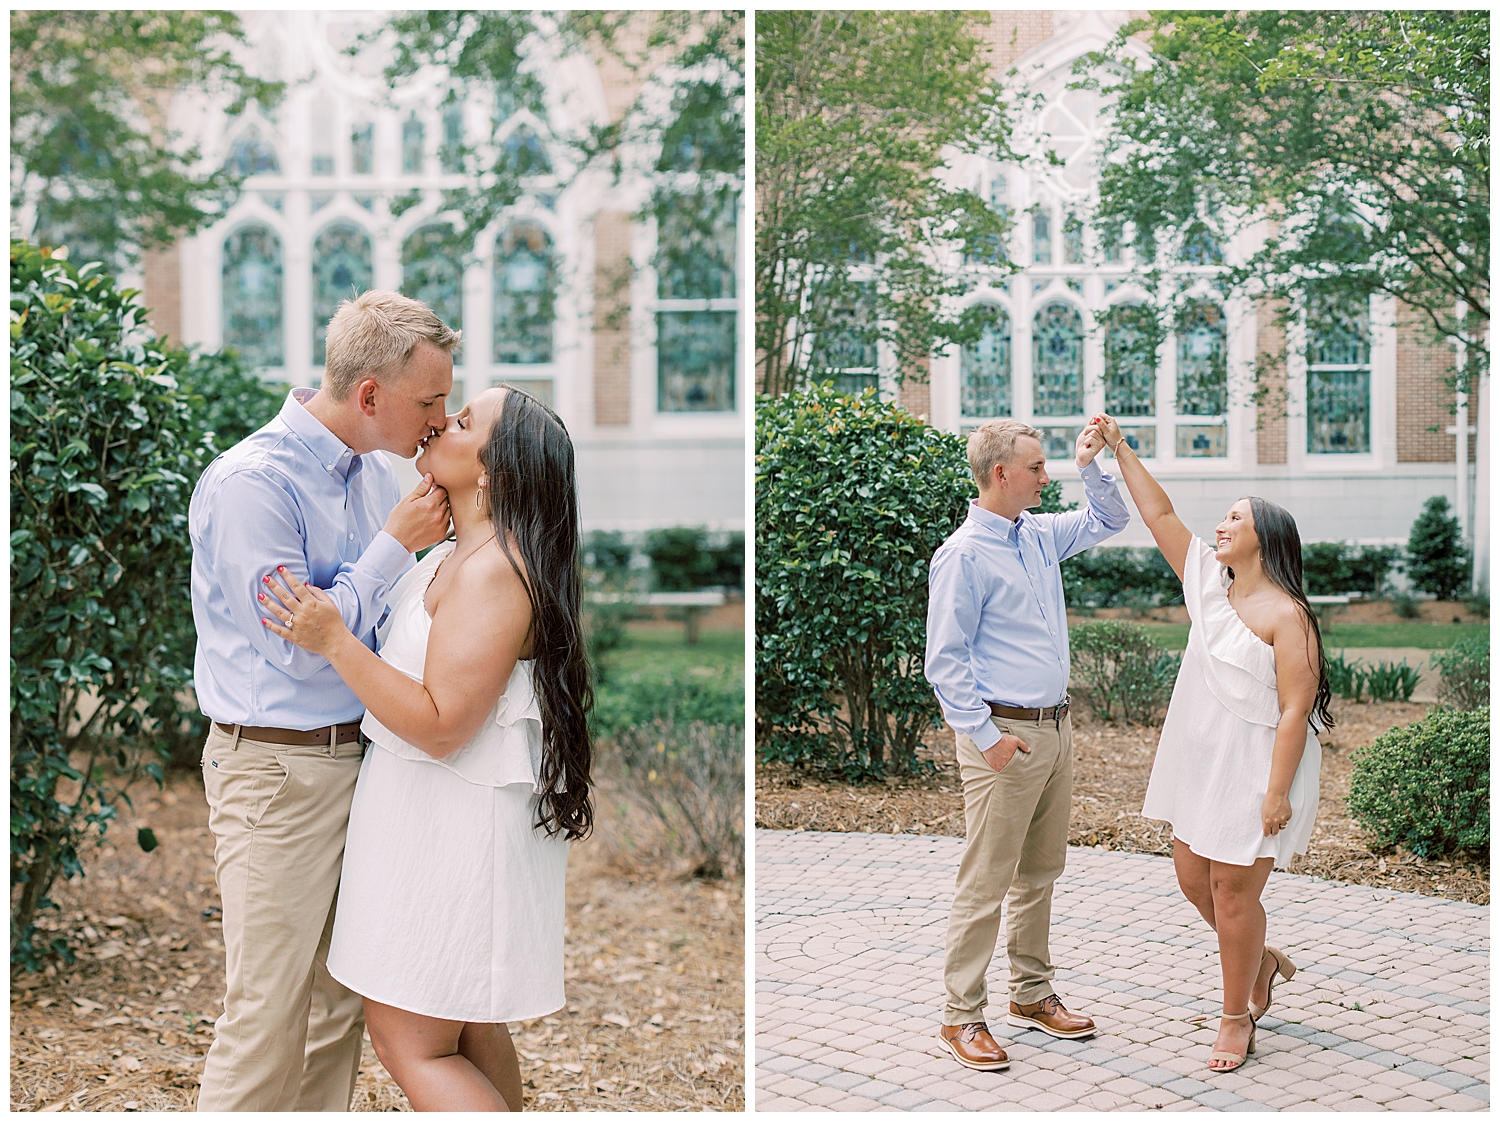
1120,577
852,497
227,400
1465,670
1406,606
1334,568
1439,560
607,553
104,453
714,696
1427,787
684,558
692,777
1121,671
1479,604
1392,681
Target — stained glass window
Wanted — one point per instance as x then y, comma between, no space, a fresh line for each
695,300
984,372
413,140
847,351
362,149
1200,247
251,155
522,153
1041,237
1338,373
1130,362
252,293
1112,243
525,294
430,272
342,268
450,157
1072,240
322,136
1202,370
1057,360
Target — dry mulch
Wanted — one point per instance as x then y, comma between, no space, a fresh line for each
1112,763
655,981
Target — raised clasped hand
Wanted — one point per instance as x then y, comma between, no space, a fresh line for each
309,617
1275,813
1090,440
1109,429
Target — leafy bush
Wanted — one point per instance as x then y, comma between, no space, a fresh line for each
1334,568
227,400
684,558
607,553
104,453
1465,670
852,497
1119,577
714,696
1406,606
1345,679
1123,672
1427,787
1439,560
1479,603
692,777
1392,681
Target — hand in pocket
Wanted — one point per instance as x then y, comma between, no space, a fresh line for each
999,754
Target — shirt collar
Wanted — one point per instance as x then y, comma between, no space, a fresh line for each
336,457
1003,528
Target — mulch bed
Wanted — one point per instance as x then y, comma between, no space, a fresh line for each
655,982
1112,763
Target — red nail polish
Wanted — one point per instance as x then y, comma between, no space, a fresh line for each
281,568
260,595
265,580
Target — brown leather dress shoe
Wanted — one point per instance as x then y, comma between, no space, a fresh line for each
1049,1015
973,1046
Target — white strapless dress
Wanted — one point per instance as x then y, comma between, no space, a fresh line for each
1213,762
451,904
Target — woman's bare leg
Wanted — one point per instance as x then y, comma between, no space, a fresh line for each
1240,921
488,1047
421,1053
1192,878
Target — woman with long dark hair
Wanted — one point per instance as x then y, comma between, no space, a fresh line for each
450,911
1236,768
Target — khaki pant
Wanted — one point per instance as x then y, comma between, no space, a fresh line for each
1016,822
290,1036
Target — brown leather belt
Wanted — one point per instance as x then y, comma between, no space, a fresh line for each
1051,714
312,738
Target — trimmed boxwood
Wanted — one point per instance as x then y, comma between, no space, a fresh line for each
1426,787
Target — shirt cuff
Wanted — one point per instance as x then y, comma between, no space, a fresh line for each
1091,472
986,736
386,556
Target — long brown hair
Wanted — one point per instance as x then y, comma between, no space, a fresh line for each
1281,559
534,502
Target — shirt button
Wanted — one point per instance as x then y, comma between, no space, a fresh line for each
351,537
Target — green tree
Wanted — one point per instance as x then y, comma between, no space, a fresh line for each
1362,136
853,112
92,163
684,130
1438,560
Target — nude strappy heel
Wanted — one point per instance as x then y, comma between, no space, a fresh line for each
1285,967
1237,1057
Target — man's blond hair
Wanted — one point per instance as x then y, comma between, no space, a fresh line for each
994,442
376,331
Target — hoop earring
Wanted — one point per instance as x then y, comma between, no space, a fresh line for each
478,498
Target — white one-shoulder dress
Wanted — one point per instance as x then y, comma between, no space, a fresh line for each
1213,762
451,904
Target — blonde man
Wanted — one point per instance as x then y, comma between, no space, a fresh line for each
997,657
283,747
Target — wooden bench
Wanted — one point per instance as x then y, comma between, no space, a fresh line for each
692,604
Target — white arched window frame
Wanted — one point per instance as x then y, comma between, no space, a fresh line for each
1381,455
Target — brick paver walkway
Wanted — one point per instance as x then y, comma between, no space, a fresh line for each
1389,1009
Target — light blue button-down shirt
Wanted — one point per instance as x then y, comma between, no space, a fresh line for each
290,494
997,629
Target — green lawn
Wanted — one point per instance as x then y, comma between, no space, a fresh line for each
1428,636
665,649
